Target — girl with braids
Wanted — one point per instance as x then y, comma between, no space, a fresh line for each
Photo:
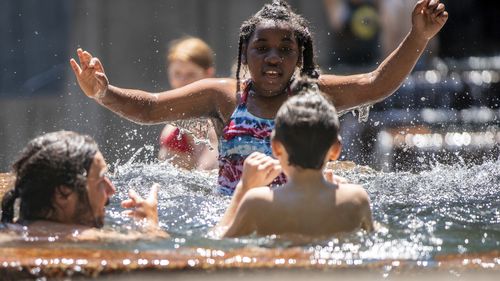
273,43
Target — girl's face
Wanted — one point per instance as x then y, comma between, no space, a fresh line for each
180,73
272,54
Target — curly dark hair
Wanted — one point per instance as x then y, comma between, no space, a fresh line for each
49,161
280,11
307,125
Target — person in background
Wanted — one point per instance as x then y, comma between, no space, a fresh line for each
395,21
188,60
356,28
366,31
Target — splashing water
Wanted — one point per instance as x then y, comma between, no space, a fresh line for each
449,209
198,128
363,112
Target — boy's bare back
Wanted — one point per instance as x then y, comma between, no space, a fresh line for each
319,210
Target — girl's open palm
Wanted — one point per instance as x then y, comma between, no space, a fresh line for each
90,75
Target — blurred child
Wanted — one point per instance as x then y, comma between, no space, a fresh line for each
188,60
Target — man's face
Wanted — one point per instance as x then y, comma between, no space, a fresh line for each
90,211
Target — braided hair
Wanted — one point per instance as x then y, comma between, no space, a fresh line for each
280,11
49,161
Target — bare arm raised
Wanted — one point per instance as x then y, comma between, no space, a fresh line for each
204,98
428,17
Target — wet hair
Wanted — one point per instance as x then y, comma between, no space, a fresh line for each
279,11
48,162
191,49
307,125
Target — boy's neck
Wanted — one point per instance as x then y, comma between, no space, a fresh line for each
305,177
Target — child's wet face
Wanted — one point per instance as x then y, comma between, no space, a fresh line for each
272,55
180,73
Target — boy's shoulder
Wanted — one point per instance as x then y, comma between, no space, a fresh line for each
257,200
353,192
259,194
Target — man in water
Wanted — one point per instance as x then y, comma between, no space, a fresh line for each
305,138
62,188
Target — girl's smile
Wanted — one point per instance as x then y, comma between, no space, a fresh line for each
272,55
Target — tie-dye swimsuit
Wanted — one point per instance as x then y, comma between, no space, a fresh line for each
244,134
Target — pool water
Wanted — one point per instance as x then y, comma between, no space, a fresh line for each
447,211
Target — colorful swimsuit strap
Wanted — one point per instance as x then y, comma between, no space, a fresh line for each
244,134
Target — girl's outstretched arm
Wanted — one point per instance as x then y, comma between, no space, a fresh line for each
204,98
428,17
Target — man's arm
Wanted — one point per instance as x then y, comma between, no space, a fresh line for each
428,17
144,209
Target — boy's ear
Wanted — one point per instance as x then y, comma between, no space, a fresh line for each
334,152
277,148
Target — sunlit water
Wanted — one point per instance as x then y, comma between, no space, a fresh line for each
450,209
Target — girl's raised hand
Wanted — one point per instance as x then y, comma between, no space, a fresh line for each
259,170
428,17
90,75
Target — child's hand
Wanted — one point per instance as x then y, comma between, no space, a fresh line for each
90,75
259,170
146,209
428,17
331,177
